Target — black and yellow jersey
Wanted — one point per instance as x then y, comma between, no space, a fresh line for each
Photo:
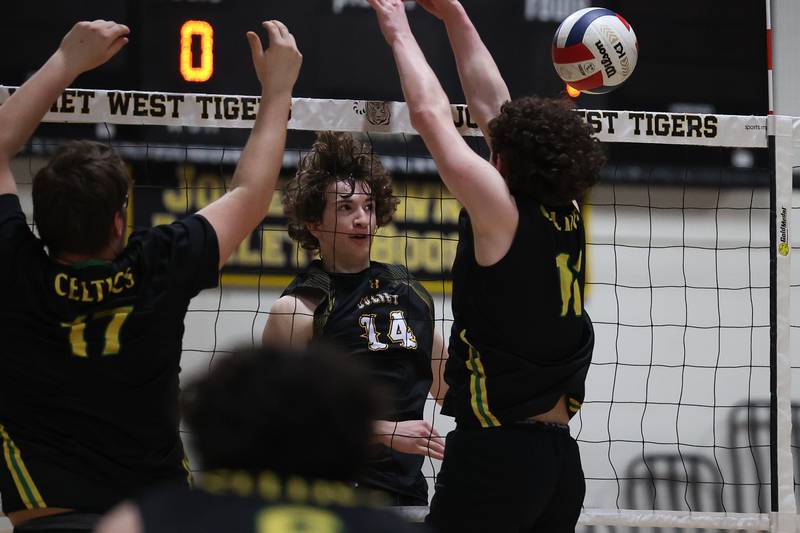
244,502
521,337
385,319
89,363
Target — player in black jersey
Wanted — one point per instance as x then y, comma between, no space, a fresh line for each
376,312
521,341
272,464
91,327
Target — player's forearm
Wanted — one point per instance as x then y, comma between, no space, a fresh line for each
427,102
261,159
383,431
24,110
481,80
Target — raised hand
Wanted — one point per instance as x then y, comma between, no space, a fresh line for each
90,44
438,8
392,18
278,66
411,436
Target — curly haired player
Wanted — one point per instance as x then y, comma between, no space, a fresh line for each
521,341
373,311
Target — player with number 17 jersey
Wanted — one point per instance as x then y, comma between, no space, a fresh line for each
94,349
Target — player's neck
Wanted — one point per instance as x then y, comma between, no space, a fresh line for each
107,255
341,266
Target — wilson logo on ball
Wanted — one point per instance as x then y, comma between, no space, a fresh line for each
595,50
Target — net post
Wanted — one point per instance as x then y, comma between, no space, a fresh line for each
783,507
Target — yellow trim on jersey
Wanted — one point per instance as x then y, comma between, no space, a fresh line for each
187,467
477,386
574,405
27,489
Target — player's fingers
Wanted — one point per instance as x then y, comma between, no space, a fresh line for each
435,453
282,28
118,30
436,443
292,41
117,45
272,30
255,45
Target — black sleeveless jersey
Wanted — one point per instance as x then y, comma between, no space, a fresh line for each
240,502
89,363
385,319
521,337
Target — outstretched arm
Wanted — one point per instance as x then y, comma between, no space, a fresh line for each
474,181
480,78
236,214
86,46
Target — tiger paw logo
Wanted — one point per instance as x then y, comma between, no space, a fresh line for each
378,113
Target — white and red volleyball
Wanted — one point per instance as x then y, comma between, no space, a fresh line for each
595,50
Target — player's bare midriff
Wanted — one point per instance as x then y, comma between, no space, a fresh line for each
18,518
558,414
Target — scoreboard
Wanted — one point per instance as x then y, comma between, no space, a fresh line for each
199,46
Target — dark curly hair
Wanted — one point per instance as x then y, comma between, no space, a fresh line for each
307,413
548,152
334,157
77,195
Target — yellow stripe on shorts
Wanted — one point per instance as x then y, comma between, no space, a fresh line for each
477,386
19,472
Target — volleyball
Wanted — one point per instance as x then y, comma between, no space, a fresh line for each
595,50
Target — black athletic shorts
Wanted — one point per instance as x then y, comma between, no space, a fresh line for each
522,477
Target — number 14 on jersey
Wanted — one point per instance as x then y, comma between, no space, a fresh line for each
399,332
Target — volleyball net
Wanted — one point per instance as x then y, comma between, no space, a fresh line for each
688,417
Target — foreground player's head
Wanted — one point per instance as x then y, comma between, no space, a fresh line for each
306,413
545,150
79,200
340,195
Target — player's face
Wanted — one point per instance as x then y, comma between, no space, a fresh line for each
348,224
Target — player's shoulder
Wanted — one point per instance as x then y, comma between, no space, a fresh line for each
313,281
295,303
400,274
11,214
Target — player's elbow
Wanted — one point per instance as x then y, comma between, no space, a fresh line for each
427,118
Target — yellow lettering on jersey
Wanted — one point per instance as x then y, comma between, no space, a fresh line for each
59,280
98,288
73,289
570,288
242,484
269,486
76,340
92,290
297,489
570,222
118,316
85,293
297,519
